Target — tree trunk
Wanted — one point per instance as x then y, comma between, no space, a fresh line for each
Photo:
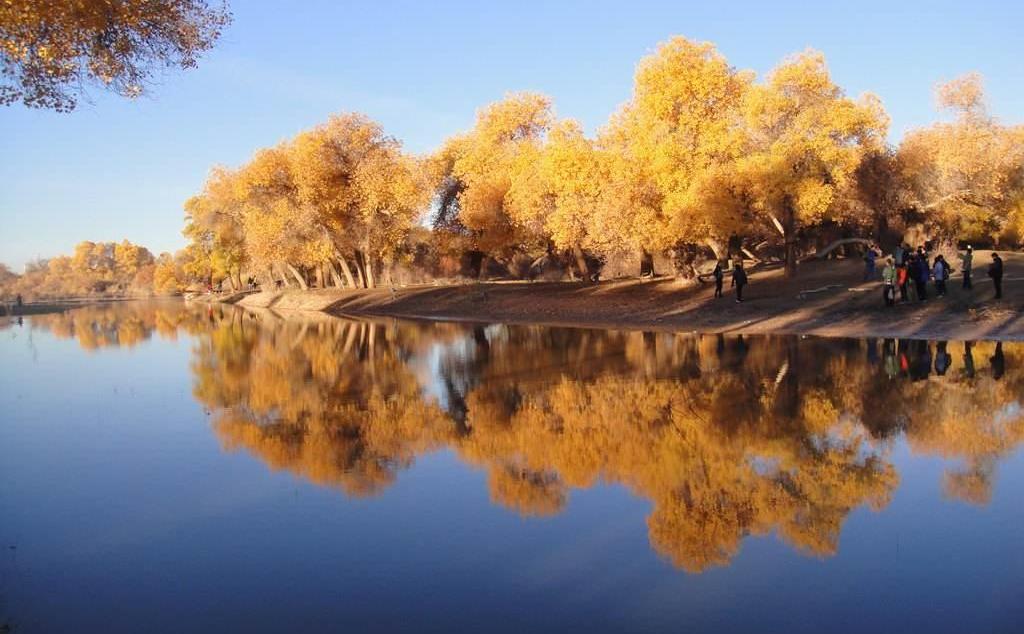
284,275
790,255
347,272
360,270
646,263
368,270
319,276
581,263
231,282
716,248
335,278
787,227
298,276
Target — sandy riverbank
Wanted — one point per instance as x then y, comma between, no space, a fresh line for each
827,298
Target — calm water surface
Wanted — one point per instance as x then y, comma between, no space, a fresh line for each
175,469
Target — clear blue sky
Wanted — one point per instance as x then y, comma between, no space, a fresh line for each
118,169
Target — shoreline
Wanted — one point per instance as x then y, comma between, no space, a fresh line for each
774,305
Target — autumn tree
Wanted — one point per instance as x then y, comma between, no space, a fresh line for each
670,147
213,225
166,276
365,192
555,190
966,175
475,172
803,143
50,50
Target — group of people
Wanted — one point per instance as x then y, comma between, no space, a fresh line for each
909,271
906,270
739,279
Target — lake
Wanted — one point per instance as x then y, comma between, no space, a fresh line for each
175,468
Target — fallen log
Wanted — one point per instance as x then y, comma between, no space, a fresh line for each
821,254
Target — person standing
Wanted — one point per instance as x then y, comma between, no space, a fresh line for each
995,271
902,279
940,271
889,283
719,275
869,264
968,260
920,275
897,254
739,280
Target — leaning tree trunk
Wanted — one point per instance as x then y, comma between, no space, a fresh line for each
298,276
716,247
335,278
284,275
360,270
347,272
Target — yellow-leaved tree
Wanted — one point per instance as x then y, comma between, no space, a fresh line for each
365,192
804,140
967,175
474,174
670,150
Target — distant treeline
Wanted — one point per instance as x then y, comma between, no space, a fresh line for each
95,268
703,161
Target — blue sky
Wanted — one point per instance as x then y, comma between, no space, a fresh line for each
118,169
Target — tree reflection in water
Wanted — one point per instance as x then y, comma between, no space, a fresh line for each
726,436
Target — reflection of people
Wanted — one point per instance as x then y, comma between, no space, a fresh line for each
904,350
889,356
998,362
995,271
969,359
719,278
942,359
739,280
921,367
872,351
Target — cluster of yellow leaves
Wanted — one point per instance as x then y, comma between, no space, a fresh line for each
969,173
50,48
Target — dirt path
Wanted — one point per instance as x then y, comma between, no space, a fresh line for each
840,306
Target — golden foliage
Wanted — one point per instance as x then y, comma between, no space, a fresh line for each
50,48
